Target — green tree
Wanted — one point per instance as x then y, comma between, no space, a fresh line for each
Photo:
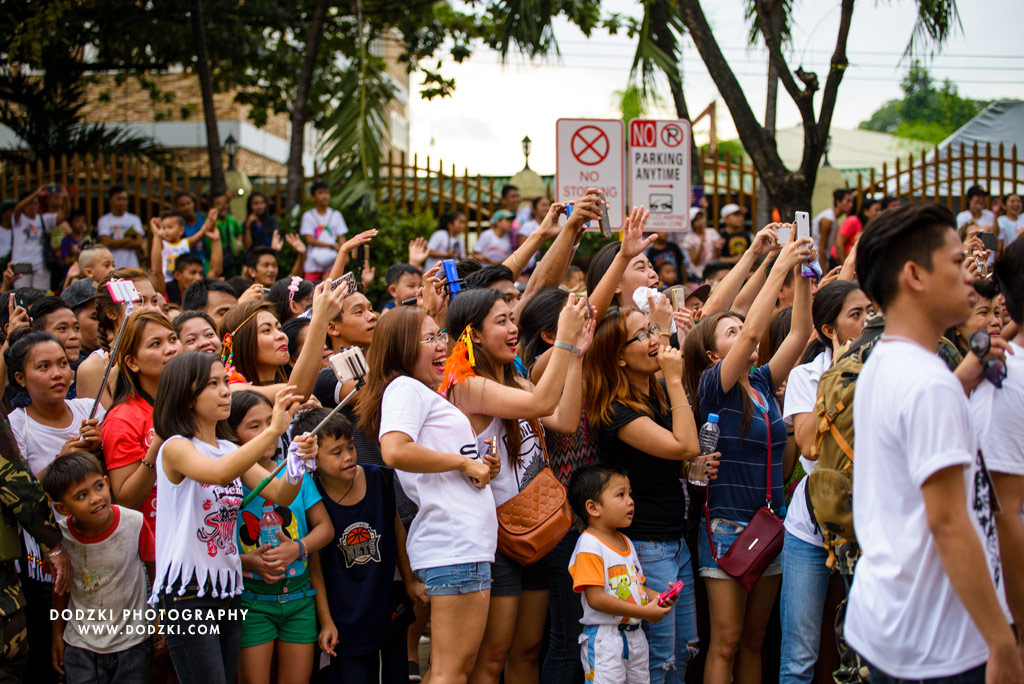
926,111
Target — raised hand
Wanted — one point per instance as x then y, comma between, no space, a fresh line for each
276,241
767,239
358,240
286,404
633,241
572,317
670,360
418,252
296,242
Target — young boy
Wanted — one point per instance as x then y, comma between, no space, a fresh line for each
363,612
232,241
120,231
322,229
110,550
96,262
737,238
403,281
494,244
663,254
188,269
70,245
169,242
605,570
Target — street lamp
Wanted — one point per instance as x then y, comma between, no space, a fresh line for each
231,147
527,144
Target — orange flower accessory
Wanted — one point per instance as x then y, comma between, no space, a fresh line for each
459,364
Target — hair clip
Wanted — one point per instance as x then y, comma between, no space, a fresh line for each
293,288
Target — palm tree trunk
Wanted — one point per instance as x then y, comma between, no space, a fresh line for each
206,88
314,35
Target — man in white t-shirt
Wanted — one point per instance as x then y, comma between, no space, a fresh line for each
998,416
322,229
924,602
120,231
825,226
976,212
495,244
27,241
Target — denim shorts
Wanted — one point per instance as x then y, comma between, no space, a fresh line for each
459,578
725,533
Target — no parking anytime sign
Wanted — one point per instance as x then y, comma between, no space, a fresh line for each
590,154
659,171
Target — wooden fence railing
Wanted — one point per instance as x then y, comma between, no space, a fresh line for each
943,175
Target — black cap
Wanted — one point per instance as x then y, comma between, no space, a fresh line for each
976,190
78,293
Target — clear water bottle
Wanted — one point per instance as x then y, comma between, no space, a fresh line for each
270,525
708,439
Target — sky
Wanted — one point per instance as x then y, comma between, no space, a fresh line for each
494,105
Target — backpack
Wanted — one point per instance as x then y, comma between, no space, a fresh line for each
829,489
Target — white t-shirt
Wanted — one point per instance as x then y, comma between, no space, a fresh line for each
115,228
912,420
801,397
327,228
456,522
998,417
169,254
441,241
27,242
595,564
987,218
829,214
39,443
492,246
1008,228
512,478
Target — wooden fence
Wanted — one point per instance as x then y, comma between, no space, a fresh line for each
941,175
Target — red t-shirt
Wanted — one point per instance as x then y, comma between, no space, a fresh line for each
851,230
127,432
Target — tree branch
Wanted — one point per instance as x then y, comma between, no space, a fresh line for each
838,66
804,98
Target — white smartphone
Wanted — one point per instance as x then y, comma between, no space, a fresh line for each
803,225
783,233
349,364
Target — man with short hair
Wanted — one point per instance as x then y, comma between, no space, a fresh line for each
188,269
261,266
824,226
213,297
924,603
976,213
120,231
81,297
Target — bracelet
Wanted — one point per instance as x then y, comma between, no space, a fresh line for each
559,344
673,408
151,466
516,261
53,553
303,552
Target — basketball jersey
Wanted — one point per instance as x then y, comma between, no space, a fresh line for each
359,564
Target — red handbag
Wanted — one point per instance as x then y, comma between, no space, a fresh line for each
760,542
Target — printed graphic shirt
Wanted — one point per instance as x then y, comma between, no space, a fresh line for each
595,564
328,227
119,228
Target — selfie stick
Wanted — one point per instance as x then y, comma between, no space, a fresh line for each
354,369
117,340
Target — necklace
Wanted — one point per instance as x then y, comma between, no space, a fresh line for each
347,491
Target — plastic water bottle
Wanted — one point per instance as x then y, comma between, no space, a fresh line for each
270,525
708,439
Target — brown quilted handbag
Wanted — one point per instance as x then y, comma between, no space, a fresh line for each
532,522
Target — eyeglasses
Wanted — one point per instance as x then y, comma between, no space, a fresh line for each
441,337
644,335
995,369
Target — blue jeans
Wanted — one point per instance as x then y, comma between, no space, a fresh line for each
565,609
673,641
130,666
203,651
804,585
975,676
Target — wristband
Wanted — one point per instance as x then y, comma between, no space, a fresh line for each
559,344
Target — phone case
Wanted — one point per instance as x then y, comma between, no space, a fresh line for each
452,275
803,224
670,593
349,364
122,291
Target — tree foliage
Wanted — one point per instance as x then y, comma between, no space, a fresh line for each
927,111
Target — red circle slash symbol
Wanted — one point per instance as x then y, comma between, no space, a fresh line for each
672,135
590,145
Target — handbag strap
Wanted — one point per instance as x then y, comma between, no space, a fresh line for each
538,431
768,492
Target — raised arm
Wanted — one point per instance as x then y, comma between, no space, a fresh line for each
327,305
551,268
725,293
19,208
789,352
633,245
156,257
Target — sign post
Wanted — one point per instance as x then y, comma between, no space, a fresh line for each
591,154
659,171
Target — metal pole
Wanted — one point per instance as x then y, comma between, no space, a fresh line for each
110,362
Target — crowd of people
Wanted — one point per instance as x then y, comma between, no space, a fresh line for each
135,432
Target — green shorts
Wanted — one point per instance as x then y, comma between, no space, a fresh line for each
293,621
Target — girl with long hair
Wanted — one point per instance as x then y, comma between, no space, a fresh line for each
839,312
431,444
719,353
500,406
258,346
109,315
149,343
200,474
647,428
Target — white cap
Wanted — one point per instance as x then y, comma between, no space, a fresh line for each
729,209
694,211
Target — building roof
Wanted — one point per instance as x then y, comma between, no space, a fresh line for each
849,151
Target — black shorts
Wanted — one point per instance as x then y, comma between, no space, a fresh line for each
509,578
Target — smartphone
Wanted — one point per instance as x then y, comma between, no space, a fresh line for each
679,298
606,226
670,593
803,225
266,291
988,240
362,257
348,280
452,275
783,233
22,268
122,291
349,365
19,300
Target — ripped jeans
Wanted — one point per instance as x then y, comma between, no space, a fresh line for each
673,641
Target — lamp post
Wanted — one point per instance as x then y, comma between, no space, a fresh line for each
527,145
231,148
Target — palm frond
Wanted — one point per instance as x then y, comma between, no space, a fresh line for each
937,21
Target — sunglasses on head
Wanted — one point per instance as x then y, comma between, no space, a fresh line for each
994,369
